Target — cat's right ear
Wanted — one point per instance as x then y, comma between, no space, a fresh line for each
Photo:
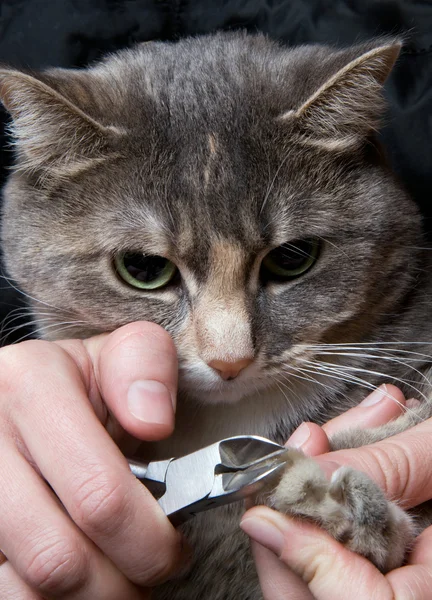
53,136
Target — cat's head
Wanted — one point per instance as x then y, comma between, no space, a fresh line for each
224,187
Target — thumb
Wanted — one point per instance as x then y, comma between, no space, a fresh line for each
400,465
133,370
330,571
277,581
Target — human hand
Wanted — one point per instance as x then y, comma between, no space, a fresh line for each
58,400
305,562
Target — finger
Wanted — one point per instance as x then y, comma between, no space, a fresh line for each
277,582
400,465
415,579
135,372
381,406
137,375
331,571
12,587
86,469
310,439
44,547
384,404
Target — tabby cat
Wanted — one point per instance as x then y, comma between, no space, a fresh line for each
232,191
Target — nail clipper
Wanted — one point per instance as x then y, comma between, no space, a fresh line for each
226,471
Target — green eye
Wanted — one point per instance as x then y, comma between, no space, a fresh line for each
144,272
291,259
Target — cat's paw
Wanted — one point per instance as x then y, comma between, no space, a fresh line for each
349,506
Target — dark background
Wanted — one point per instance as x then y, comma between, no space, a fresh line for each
72,33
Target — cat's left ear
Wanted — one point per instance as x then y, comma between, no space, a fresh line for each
344,110
55,133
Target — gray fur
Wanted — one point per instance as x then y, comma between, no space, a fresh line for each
211,152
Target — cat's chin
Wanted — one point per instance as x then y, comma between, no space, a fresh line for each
228,392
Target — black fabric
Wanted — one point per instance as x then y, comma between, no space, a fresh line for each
73,33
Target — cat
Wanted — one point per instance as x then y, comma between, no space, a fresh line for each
233,191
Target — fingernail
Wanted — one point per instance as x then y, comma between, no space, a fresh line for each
150,401
376,396
264,532
299,437
412,403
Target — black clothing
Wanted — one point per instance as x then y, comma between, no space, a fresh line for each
72,33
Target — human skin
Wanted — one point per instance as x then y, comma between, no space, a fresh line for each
64,407
298,561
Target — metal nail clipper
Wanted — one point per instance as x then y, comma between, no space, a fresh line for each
225,472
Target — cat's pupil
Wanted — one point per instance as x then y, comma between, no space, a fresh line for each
291,256
290,260
144,268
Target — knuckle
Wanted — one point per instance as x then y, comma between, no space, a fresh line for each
9,363
18,367
100,503
314,562
160,571
56,566
394,469
162,565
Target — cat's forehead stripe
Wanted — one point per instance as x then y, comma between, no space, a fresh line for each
212,144
212,149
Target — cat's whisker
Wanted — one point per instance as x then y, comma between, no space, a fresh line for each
378,354
7,327
273,181
294,372
335,392
31,323
5,332
346,368
23,312
10,282
374,356
283,394
333,372
339,377
14,315
379,373
336,246
287,384
327,368
330,349
19,308
61,326
39,316
298,250
44,328
388,343
420,247
349,378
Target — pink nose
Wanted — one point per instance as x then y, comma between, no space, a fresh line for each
229,370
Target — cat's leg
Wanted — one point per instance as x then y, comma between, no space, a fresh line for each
349,506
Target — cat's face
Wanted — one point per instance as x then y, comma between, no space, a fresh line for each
246,167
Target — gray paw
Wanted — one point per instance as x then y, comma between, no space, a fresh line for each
349,506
